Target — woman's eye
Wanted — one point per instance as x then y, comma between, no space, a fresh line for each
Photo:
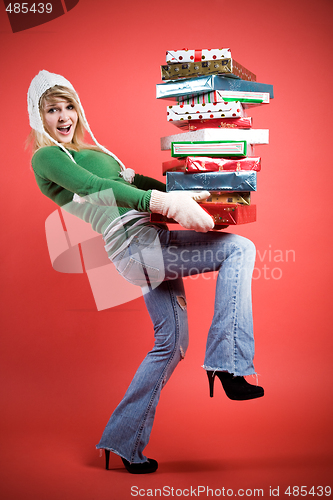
70,106
51,110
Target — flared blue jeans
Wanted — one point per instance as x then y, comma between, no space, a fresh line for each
157,260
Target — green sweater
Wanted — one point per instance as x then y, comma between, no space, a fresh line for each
94,175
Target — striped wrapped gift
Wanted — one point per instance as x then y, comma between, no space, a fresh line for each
209,148
226,96
251,136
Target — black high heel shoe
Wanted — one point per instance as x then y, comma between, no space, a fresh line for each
145,468
236,388
107,459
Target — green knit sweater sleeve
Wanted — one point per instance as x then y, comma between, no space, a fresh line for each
144,182
95,180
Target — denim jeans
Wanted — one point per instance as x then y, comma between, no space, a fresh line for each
157,260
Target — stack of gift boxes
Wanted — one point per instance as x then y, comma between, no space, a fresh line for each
214,150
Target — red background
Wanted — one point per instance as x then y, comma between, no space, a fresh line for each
64,365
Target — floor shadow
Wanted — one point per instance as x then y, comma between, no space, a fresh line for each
240,464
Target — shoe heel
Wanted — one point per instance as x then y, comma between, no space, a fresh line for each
107,459
211,378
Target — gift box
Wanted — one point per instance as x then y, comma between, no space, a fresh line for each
206,164
193,164
199,111
212,181
223,214
194,86
209,148
231,214
191,125
234,198
229,67
251,136
248,98
195,55
174,166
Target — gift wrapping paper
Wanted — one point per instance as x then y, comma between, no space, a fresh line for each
206,164
235,198
195,55
209,148
174,166
229,67
172,117
231,214
192,164
188,125
251,136
223,214
211,110
194,86
254,98
212,181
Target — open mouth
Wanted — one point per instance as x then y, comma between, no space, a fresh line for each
64,130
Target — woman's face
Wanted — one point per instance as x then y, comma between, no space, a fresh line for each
60,119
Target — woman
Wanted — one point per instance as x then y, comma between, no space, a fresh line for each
92,183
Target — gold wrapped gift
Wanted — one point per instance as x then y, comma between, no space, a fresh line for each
222,197
227,67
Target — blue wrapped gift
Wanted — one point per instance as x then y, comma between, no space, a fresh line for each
195,86
212,181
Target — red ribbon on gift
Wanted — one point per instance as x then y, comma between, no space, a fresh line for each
197,55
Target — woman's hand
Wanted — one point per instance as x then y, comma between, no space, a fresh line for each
182,206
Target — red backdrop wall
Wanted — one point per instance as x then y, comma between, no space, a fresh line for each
65,365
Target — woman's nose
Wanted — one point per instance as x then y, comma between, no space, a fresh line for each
63,115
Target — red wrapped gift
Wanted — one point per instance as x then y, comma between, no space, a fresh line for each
174,166
222,213
190,125
231,214
207,164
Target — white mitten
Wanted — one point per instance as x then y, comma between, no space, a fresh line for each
182,207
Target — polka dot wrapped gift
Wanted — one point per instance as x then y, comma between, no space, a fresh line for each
186,55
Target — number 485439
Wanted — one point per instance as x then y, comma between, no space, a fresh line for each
23,8
302,491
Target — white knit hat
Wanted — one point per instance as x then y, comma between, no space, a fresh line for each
40,84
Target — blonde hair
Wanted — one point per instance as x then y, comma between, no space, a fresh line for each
54,94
